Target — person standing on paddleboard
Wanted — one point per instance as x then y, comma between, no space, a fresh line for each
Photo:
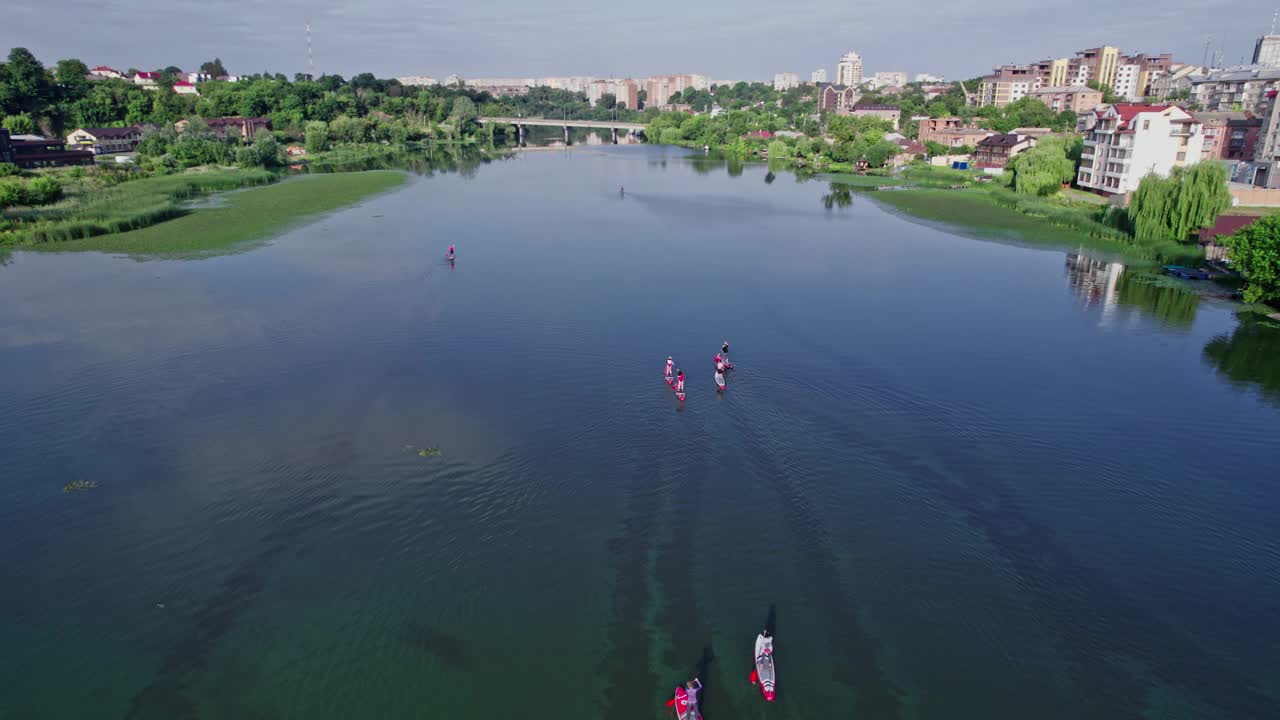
679,381
670,365
724,352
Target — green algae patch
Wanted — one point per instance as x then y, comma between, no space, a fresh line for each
245,216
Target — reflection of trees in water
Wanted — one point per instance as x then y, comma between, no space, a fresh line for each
1249,355
1150,294
769,177
839,197
429,159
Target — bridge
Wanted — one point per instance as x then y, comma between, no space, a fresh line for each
521,123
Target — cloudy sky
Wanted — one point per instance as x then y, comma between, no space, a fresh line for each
727,39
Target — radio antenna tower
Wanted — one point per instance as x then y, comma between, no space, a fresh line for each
311,60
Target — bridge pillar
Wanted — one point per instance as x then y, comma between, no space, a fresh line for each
615,135
566,134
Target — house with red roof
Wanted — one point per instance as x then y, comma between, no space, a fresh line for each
182,87
758,135
147,80
1125,142
102,71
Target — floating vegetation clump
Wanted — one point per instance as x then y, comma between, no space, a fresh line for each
429,452
75,485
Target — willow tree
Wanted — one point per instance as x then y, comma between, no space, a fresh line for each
1042,169
1172,208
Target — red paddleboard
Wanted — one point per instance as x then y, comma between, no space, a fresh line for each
680,396
681,702
670,380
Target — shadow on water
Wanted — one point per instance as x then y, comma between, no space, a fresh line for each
856,663
839,197
771,620
443,646
1247,356
1096,624
630,681
165,697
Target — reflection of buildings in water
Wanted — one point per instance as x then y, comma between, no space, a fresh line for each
1129,297
1093,281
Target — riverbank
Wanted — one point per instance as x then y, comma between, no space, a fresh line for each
105,200
983,213
243,216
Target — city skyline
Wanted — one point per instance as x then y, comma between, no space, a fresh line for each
746,40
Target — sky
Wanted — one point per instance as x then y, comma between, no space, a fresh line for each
728,40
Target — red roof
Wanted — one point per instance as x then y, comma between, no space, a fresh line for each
183,83
1129,112
104,67
148,75
762,134
1225,226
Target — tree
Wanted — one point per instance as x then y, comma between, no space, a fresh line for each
20,124
1042,169
317,134
1255,249
937,109
214,68
24,84
1108,94
71,76
1174,207
44,190
607,101
464,113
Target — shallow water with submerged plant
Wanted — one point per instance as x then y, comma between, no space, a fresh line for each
338,477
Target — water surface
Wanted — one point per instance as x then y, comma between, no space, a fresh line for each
962,479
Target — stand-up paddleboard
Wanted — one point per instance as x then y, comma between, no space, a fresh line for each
670,380
681,704
720,382
765,674
680,395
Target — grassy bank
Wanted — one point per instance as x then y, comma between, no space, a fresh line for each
987,214
248,215
102,201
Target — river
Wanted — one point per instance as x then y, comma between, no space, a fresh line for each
959,478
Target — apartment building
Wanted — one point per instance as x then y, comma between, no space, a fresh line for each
1126,142
849,70
929,128
1235,89
818,76
1076,98
837,98
888,79
1007,84
888,113
1267,51
785,81
659,88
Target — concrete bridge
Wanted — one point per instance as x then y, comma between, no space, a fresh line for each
521,123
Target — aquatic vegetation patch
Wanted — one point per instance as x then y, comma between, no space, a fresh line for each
78,485
424,452
248,215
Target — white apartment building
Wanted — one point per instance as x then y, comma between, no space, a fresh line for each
785,81
1126,83
927,78
888,79
818,76
700,82
417,80
849,70
1125,142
